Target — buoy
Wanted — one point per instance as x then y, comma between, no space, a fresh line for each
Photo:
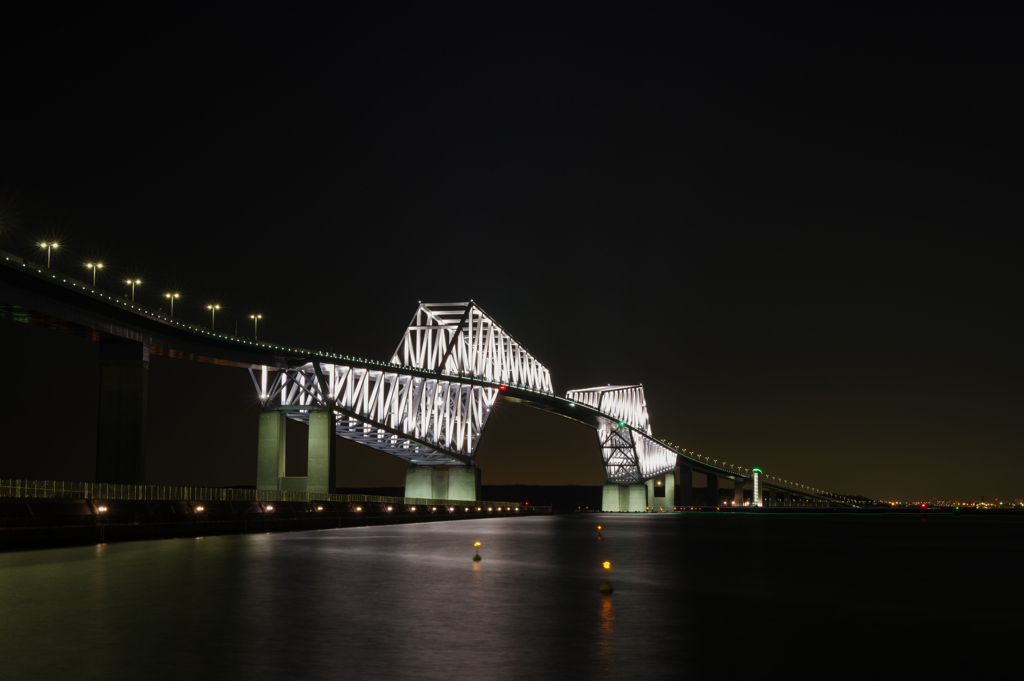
598,531
476,558
606,588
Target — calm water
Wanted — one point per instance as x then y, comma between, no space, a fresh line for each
718,596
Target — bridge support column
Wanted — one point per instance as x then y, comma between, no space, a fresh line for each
633,498
124,383
427,482
684,490
464,483
661,492
322,453
610,498
624,498
712,488
737,494
271,450
773,499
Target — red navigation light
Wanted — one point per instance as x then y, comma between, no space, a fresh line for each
527,503
501,387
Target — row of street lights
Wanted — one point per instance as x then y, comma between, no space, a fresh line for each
96,266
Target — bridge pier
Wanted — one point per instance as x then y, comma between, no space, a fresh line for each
320,459
320,476
737,494
714,498
464,483
624,498
661,491
120,431
684,489
427,482
772,498
270,458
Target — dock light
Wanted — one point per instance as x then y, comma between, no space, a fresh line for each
451,508
199,508
359,508
103,509
172,297
319,508
434,508
48,247
478,508
270,508
491,509
94,266
413,508
466,509
389,508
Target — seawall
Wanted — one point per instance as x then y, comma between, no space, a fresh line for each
40,523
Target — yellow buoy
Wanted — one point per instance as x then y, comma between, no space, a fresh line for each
606,588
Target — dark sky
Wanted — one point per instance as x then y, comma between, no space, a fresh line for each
794,226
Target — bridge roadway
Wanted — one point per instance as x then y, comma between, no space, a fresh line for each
129,332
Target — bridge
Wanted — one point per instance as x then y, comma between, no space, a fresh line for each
428,405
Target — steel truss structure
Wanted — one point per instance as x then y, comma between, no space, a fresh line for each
629,451
460,339
433,415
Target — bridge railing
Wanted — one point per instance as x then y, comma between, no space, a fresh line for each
50,489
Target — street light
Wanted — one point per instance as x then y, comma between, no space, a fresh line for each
213,311
94,266
48,247
172,296
133,282
255,325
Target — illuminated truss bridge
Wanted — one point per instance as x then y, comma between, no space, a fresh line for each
429,405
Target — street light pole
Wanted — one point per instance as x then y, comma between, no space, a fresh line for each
255,325
94,266
213,311
48,247
133,282
172,296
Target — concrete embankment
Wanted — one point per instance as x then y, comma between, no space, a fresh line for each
39,523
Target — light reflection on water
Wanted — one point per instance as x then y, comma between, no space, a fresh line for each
691,593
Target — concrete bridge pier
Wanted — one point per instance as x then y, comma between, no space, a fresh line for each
321,456
323,450
684,489
121,427
270,457
661,492
458,483
737,494
617,498
426,482
773,499
712,487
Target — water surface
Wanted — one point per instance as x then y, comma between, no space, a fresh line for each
695,594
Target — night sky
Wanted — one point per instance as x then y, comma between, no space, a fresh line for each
796,227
